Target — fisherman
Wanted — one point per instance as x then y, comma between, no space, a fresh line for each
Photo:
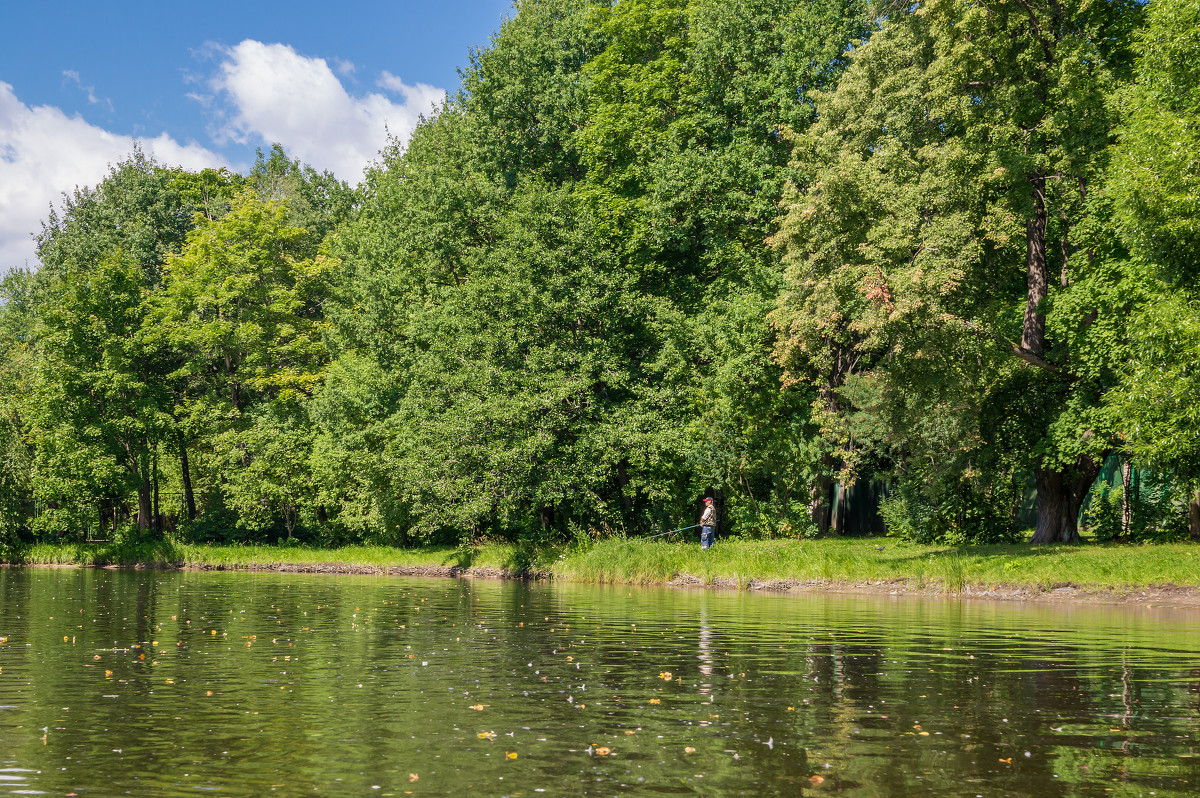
708,520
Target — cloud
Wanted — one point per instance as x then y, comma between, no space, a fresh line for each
90,91
44,152
267,93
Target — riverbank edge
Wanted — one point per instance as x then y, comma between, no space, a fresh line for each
1159,595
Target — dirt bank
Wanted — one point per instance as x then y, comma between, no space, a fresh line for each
1164,595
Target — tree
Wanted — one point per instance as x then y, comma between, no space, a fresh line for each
242,305
96,417
959,144
1155,184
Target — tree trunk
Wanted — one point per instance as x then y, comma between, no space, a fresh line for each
1126,495
1060,494
838,510
157,513
623,485
818,506
1194,515
188,496
144,504
546,515
1033,332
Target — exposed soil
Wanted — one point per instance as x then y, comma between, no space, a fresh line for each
1165,595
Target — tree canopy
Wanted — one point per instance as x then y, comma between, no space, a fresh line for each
651,251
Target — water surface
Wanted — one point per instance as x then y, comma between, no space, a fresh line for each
148,683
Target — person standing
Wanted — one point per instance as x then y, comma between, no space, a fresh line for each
708,521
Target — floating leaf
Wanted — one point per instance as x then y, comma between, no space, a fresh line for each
412,777
815,780
486,735
603,751
510,754
666,676
1007,761
655,700
476,707
689,750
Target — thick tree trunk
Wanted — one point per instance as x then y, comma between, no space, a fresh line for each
189,497
1033,332
1060,494
1194,515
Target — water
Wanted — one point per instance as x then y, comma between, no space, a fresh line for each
168,684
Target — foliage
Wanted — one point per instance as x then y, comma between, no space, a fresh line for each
649,251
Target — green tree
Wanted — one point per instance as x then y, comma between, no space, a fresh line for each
242,304
957,148
99,392
1155,184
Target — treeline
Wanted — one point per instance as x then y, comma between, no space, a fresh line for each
653,250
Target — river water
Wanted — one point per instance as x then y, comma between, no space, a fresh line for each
170,684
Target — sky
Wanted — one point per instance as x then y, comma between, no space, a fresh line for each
205,85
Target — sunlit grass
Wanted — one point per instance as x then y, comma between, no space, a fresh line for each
853,561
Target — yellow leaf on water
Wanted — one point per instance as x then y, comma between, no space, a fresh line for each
476,707
412,777
666,676
689,750
603,751
486,735
655,700
815,780
630,731
1007,761
510,754
108,674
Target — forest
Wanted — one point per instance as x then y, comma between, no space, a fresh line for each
651,251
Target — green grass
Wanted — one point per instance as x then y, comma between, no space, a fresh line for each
730,562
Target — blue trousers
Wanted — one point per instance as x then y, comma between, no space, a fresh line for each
706,536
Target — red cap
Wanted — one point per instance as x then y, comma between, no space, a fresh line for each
708,499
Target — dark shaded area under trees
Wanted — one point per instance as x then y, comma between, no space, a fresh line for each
942,256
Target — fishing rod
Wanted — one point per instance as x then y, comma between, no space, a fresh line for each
661,534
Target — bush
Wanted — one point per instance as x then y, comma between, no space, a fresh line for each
960,515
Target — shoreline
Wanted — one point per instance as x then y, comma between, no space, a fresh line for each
1154,595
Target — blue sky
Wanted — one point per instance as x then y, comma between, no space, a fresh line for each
206,84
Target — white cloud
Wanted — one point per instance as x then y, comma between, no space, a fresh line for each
44,152
274,94
90,91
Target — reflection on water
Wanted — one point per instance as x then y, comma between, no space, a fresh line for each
245,684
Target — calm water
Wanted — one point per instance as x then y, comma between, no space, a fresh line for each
169,684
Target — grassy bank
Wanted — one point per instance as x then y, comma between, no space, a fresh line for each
731,562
